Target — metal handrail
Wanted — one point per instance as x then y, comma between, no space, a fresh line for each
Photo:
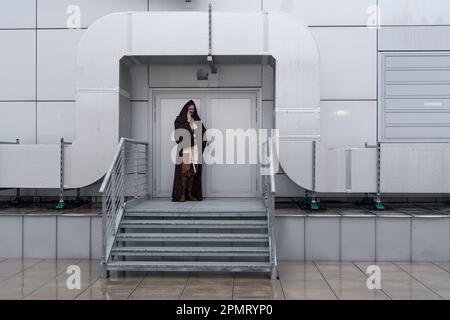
126,181
269,203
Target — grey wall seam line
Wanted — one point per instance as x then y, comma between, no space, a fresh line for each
90,237
23,245
36,74
375,239
410,239
56,237
306,238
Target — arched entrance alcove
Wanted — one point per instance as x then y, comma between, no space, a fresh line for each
150,34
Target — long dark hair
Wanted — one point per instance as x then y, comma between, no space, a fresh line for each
182,117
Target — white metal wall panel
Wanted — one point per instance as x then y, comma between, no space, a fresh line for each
414,97
18,121
39,237
363,170
17,65
186,76
156,35
286,187
120,34
324,12
73,237
56,63
330,169
414,38
348,123
11,236
53,13
231,38
414,12
348,62
345,170
39,166
55,120
415,168
17,14
297,154
139,81
202,5
139,122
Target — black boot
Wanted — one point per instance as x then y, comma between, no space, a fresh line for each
189,189
184,181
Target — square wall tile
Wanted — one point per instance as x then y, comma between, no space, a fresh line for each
290,238
430,239
73,237
11,237
55,120
56,63
322,238
18,14
18,121
17,65
393,239
348,62
348,123
357,239
39,236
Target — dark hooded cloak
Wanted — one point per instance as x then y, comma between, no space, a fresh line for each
181,122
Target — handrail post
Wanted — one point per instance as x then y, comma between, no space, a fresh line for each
122,173
147,172
104,262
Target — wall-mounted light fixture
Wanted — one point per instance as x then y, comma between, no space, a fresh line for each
202,74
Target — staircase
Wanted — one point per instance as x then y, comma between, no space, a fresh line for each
213,235
156,236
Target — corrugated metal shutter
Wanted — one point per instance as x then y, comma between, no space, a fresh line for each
414,97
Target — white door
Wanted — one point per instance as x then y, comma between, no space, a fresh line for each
219,110
234,176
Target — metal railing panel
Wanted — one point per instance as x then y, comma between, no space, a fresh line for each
125,181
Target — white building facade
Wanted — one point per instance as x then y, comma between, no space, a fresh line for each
358,89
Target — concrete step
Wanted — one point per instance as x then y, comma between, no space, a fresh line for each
189,266
191,251
196,237
195,223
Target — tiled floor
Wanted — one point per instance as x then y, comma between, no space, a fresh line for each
46,279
